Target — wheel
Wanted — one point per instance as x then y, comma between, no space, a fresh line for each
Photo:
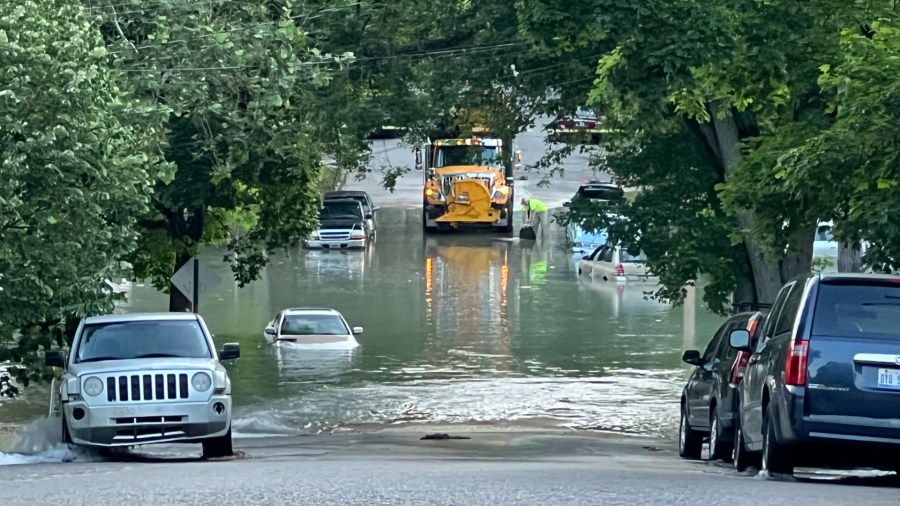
66,437
690,442
424,221
741,457
776,457
216,447
719,446
508,228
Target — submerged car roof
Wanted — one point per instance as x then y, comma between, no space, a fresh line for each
138,317
310,310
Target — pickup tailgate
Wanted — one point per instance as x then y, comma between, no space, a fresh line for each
854,354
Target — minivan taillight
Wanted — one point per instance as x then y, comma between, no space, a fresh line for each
797,360
620,270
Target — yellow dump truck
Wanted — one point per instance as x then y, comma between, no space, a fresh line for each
467,183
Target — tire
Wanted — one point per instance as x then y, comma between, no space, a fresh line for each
65,436
719,446
742,458
776,457
508,228
425,221
217,447
690,442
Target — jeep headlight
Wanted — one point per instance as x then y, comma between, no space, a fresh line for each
314,236
92,386
201,382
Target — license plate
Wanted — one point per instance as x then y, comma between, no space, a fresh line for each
889,378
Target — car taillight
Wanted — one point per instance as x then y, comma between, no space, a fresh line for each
620,270
738,368
797,360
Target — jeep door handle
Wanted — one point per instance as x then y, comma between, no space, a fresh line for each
753,359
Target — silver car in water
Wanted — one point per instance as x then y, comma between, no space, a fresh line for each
133,379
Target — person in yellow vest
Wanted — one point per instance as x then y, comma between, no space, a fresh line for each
537,213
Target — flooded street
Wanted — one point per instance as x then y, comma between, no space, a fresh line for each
468,328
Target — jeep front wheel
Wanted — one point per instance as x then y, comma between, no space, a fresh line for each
216,447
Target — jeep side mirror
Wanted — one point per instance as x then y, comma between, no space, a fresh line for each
368,216
739,339
230,351
692,357
586,257
418,160
357,330
54,358
270,331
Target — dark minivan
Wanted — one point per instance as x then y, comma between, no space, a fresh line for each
708,401
822,385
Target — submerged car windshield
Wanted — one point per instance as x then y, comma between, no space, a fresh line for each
313,324
142,339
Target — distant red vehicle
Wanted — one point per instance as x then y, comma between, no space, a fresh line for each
584,122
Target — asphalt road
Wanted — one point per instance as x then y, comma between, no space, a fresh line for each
395,467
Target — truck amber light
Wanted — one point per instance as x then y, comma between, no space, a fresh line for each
429,192
504,190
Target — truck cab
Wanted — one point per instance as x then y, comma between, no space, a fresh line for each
467,183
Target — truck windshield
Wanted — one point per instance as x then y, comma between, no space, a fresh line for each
333,210
466,155
860,311
142,339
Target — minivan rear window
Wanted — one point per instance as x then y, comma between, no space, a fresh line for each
864,311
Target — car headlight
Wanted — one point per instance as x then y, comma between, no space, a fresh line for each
93,386
314,236
201,382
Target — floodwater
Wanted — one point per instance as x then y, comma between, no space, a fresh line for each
468,328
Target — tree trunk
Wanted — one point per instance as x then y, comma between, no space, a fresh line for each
179,302
767,278
849,257
799,260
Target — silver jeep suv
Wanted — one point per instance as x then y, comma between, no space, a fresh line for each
132,379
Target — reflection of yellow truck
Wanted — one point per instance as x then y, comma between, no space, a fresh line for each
467,183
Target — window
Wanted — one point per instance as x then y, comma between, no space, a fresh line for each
142,339
313,324
769,325
597,253
788,315
466,155
712,348
627,258
607,255
337,210
857,311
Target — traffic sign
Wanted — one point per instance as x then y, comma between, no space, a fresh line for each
194,279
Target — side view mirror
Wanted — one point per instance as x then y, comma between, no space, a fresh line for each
567,204
418,160
739,339
54,358
368,216
586,257
230,351
270,331
357,330
692,357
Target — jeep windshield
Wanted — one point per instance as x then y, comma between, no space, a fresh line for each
142,339
341,211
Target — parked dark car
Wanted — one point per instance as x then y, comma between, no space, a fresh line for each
822,385
708,403
365,199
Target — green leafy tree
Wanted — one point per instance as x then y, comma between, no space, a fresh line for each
248,130
74,173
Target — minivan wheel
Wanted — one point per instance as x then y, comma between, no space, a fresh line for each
719,447
217,447
776,457
690,442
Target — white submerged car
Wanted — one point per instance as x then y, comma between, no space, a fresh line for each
324,328
133,379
